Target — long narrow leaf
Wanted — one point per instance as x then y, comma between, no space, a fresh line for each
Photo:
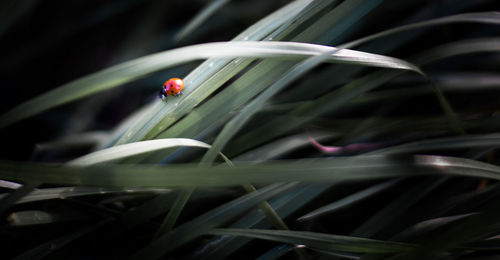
318,170
132,70
125,150
201,17
320,240
344,202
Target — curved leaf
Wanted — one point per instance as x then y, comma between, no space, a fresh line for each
126,150
134,69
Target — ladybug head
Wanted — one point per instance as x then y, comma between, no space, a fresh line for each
162,94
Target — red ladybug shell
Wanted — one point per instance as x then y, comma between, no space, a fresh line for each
172,86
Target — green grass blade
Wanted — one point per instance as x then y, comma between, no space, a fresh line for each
126,150
75,140
426,226
43,250
447,143
479,17
459,48
385,217
319,170
280,147
72,192
143,213
173,214
464,230
274,21
336,22
320,240
15,195
346,201
132,70
26,218
200,18
209,220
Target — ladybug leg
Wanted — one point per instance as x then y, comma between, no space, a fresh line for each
178,94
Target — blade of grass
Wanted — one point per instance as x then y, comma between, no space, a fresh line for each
459,48
43,250
126,150
477,17
206,114
320,240
270,213
276,252
319,170
447,143
346,201
312,11
160,120
461,231
10,185
411,233
15,195
280,147
81,139
214,218
173,214
12,11
142,214
338,21
134,69
44,217
386,216
200,18
161,115
70,192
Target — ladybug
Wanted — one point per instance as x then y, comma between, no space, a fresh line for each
171,87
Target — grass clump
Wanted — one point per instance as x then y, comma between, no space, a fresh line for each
308,129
